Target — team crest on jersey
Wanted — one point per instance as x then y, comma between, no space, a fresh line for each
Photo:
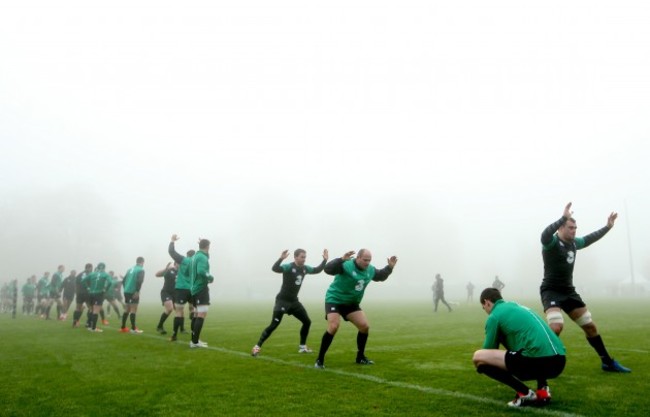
570,256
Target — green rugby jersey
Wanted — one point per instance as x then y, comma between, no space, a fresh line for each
350,282
97,282
518,328
133,279
200,272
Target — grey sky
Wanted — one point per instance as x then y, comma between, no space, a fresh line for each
447,133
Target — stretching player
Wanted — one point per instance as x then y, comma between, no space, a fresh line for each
559,247
286,302
182,290
167,293
344,296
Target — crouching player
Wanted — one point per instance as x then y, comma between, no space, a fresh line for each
533,350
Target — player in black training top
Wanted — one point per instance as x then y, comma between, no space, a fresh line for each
167,293
559,248
286,302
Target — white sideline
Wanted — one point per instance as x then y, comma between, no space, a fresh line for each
398,384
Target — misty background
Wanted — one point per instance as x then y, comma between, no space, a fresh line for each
447,134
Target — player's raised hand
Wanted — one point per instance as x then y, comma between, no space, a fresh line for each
348,255
392,261
284,254
567,211
326,254
611,219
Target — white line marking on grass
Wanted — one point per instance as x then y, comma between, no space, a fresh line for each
375,379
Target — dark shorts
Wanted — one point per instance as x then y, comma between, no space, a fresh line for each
28,299
68,296
527,369
182,296
166,296
202,298
96,299
342,309
128,299
288,307
55,295
83,297
567,301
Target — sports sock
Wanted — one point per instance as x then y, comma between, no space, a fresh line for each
362,339
163,317
196,329
504,377
597,343
101,313
132,319
125,316
325,343
177,324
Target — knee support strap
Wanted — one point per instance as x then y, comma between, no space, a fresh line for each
554,317
584,319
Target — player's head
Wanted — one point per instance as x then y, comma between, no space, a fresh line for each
190,253
139,260
204,245
488,297
567,231
101,266
299,256
363,259
88,268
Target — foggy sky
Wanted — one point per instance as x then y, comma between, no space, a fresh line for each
448,134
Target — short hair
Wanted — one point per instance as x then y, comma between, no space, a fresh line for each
298,252
190,253
491,294
204,243
89,266
139,260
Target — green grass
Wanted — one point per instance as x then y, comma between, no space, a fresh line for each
423,367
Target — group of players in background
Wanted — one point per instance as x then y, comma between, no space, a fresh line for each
91,289
533,350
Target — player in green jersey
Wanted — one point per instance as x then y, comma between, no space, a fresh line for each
132,284
200,277
532,350
343,298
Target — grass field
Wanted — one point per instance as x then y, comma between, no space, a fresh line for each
423,367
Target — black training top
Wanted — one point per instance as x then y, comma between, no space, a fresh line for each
292,278
559,256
